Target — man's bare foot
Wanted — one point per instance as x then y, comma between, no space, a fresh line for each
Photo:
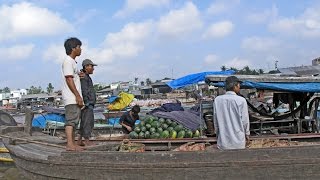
89,143
80,143
73,148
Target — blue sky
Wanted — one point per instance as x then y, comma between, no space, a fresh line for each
153,38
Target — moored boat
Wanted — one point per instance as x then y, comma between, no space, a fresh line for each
44,157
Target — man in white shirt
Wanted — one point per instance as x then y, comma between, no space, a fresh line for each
71,91
231,117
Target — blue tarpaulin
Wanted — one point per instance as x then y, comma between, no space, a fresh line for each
40,121
195,78
290,87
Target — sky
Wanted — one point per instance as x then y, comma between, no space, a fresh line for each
153,38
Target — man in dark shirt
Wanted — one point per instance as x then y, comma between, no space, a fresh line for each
89,99
128,119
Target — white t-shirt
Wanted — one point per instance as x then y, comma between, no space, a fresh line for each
69,68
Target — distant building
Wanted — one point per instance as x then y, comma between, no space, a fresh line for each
316,61
15,95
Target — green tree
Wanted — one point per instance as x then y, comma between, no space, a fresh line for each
260,71
148,81
50,88
223,68
35,90
6,89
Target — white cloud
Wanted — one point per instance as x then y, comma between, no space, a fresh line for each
27,20
218,7
264,16
306,25
237,63
180,22
260,44
132,6
17,52
218,30
124,44
84,17
211,59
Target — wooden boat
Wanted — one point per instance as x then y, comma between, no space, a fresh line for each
44,157
40,156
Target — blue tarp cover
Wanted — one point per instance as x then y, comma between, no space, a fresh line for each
195,78
40,121
290,87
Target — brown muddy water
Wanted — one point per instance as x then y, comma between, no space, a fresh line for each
8,171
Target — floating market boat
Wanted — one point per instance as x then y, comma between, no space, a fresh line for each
44,157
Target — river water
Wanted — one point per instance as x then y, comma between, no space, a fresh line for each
8,170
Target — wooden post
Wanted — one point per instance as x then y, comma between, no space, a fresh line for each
28,121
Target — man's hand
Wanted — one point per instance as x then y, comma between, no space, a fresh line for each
81,74
247,141
79,101
129,128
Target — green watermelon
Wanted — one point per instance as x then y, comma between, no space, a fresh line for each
148,126
164,126
189,134
168,121
181,134
141,135
178,128
173,124
155,135
170,129
173,134
196,134
159,130
137,129
133,135
147,135
161,120
143,129
152,130
165,134
155,124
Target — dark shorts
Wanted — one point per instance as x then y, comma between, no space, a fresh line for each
72,115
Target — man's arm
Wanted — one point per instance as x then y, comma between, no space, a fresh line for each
245,118
215,119
122,119
72,87
85,90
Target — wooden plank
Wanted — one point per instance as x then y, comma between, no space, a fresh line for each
265,78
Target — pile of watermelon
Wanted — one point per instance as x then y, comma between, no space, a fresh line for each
152,127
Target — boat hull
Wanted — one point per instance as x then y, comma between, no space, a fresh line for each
270,163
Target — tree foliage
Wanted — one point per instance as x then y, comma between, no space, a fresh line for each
35,90
6,90
244,71
148,81
50,88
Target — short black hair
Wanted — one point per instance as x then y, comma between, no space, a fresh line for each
231,82
71,43
135,109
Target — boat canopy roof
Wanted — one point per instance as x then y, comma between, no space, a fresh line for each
195,78
275,83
